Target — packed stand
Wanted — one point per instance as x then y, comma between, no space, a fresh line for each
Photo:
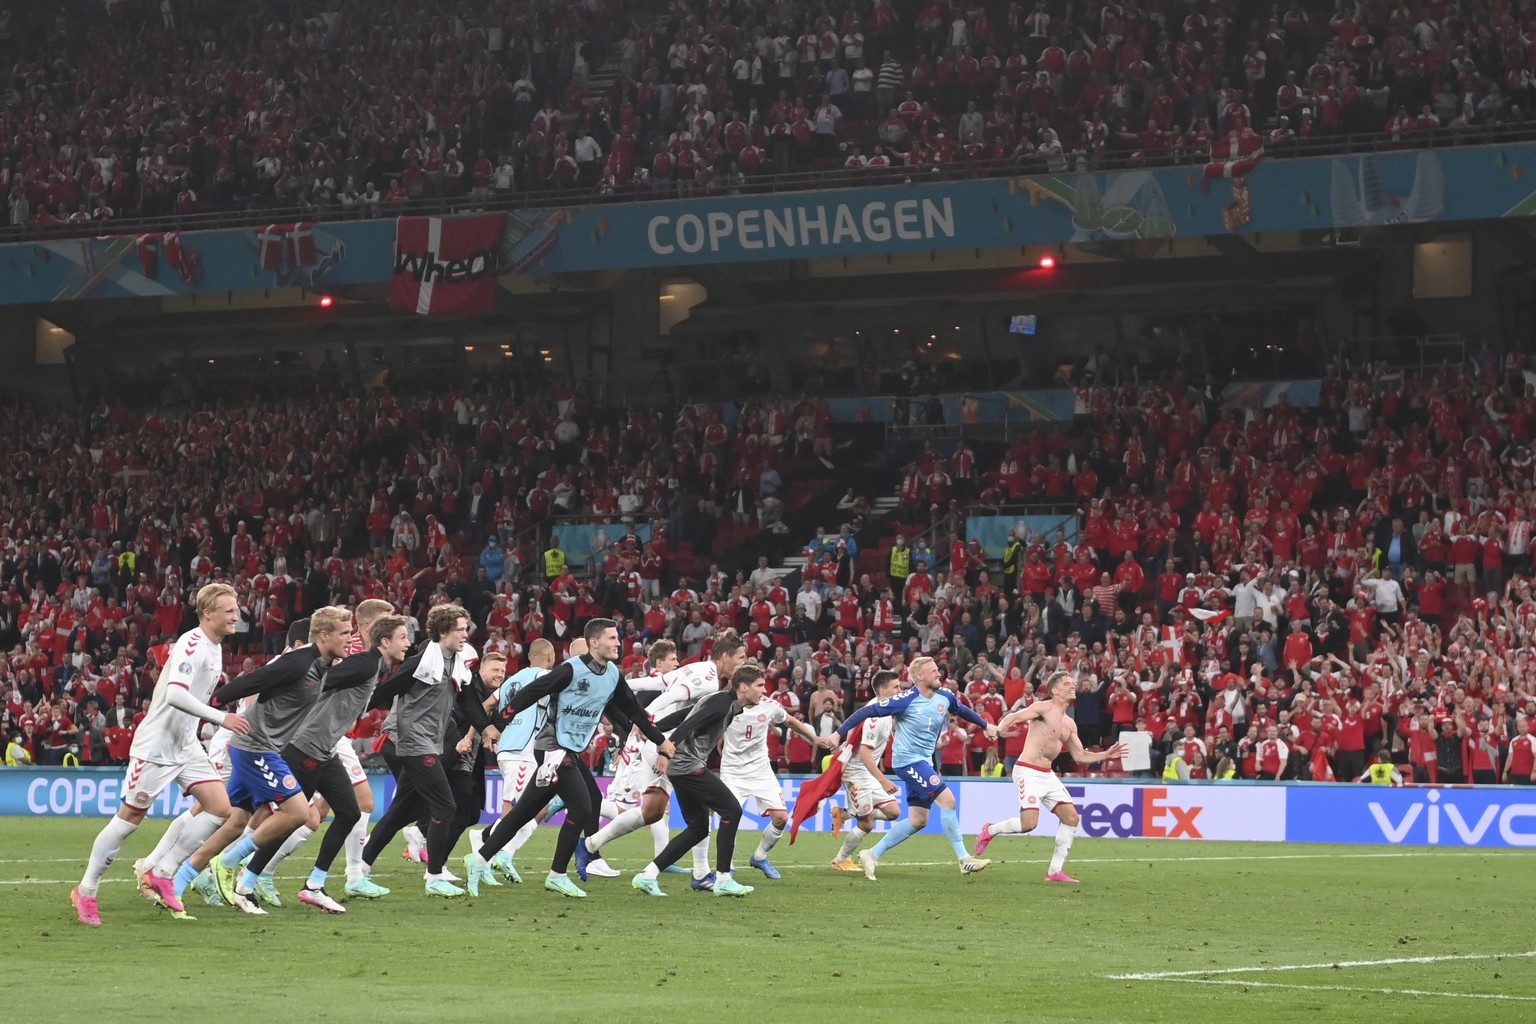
352,107
109,524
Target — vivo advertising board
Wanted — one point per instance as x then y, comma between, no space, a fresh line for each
1495,816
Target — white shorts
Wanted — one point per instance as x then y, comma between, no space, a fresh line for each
145,780
1038,788
348,754
646,776
218,754
764,789
516,773
864,793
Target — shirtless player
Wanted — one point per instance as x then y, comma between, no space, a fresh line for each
1038,786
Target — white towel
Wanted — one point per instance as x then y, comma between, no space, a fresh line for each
430,668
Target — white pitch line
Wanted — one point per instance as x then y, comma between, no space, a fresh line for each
1268,968
1427,851
1348,988
56,881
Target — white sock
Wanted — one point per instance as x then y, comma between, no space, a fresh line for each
109,841
724,876
520,837
1006,827
771,835
356,840
193,835
168,841
661,835
851,839
610,810
622,825
651,871
293,842
701,858
476,839
1064,836
431,877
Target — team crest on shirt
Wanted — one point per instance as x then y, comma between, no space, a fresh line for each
1033,800
762,718
582,686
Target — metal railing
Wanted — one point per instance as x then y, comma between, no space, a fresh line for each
765,184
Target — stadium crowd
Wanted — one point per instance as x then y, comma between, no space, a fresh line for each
160,107
1276,591
111,522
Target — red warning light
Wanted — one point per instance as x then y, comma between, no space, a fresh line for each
326,302
1047,262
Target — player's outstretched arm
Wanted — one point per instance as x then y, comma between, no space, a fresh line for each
825,742
879,709
626,707
281,671
1012,718
352,672
1081,756
527,696
970,715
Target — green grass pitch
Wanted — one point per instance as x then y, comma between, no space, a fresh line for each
1157,930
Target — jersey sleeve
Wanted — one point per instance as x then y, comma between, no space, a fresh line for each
776,713
879,709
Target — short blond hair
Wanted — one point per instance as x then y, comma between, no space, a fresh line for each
330,619
493,656
370,611
919,663
209,596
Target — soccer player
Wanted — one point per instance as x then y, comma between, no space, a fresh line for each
580,691
368,612
922,712
870,793
426,690
284,690
514,751
701,792
166,749
320,770
632,775
685,687
748,774
1038,786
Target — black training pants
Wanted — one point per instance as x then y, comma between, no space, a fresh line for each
423,786
576,787
698,796
469,798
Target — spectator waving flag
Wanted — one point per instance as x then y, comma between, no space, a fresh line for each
446,265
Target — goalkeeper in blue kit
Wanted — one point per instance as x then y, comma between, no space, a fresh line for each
922,712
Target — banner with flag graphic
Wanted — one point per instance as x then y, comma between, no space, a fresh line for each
446,265
290,245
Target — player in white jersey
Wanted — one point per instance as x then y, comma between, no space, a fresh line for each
748,774
166,749
685,687
870,794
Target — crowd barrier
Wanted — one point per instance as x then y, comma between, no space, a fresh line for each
1485,816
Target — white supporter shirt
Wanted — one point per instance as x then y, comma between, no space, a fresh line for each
685,687
745,750
168,735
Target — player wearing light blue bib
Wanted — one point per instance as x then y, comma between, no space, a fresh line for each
922,712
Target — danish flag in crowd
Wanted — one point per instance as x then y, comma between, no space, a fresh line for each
180,257
447,265
292,245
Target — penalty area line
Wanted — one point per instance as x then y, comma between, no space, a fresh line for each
1332,965
1415,992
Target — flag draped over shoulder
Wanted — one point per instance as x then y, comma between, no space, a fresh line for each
814,791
